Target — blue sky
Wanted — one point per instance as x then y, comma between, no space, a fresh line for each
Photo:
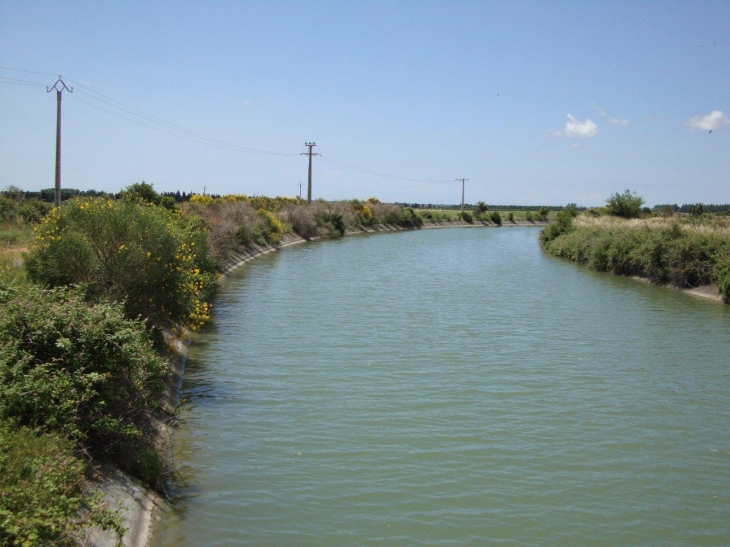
533,102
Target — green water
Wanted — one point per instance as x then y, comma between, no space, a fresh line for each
451,388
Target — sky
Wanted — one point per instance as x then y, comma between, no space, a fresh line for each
535,103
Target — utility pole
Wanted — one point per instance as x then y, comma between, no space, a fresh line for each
300,189
57,192
462,193
309,178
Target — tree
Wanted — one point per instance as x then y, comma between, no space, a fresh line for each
480,208
626,205
141,192
696,209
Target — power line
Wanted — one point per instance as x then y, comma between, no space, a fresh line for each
232,147
135,112
26,82
350,167
186,134
27,71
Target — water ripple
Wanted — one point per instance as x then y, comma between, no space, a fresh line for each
453,387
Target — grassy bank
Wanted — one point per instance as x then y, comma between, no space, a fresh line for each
685,252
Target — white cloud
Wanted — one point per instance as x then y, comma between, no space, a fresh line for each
575,145
618,121
621,122
575,129
714,120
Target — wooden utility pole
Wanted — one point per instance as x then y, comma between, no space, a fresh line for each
309,177
57,191
300,189
462,193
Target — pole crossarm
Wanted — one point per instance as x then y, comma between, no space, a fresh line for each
63,86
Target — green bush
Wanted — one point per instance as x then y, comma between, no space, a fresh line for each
496,218
83,371
250,234
511,217
466,216
42,500
408,218
334,221
626,205
153,260
480,208
562,225
16,208
529,216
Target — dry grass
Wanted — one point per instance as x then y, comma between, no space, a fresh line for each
705,225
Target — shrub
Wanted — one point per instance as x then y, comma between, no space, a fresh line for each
529,217
232,223
141,192
696,209
336,222
302,219
366,215
42,500
562,225
626,205
197,198
496,218
155,261
511,217
542,213
466,216
83,371
480,208
723,279
15,208
273,229
408,218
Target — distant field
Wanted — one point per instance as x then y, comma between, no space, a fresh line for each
519,215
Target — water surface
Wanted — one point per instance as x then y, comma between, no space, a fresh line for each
452,387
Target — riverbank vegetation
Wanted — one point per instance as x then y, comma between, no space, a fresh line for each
686,252
82,353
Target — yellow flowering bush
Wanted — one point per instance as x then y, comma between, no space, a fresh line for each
366,215
205,200
157,262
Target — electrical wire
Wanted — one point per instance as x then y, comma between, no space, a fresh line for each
135,112
27,71
350,167
15,81
224,147
182,133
